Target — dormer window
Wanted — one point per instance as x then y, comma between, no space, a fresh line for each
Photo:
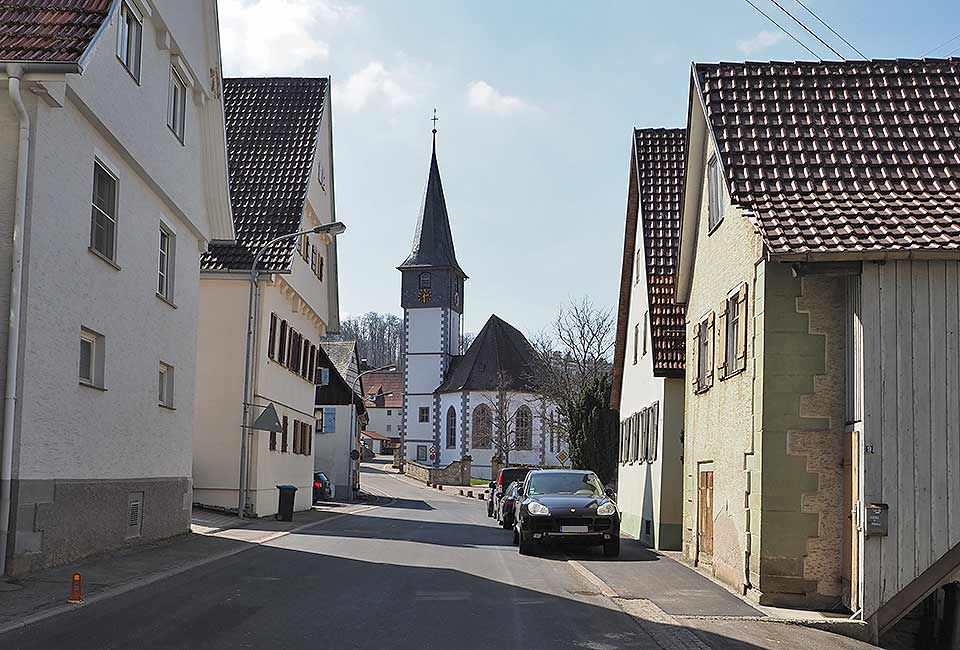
129,36
424,280
714,194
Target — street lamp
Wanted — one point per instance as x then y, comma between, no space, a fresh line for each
335,228
390,367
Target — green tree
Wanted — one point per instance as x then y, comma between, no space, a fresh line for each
592,429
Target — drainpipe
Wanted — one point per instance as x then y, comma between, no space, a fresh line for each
15,72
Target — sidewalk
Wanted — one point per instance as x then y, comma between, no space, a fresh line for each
215,536
682,608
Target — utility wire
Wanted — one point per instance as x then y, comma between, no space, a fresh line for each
808,30
799,42
849,44
941,45
952,52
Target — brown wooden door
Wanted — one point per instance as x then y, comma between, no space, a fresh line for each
705,519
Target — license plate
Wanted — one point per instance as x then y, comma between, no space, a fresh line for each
574,529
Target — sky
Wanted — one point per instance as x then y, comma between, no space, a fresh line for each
536,102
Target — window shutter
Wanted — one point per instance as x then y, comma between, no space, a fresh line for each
645,434
742,334
296,436
695,361
309,436
283,437
635,442
655,417
722,360
272,346
711,356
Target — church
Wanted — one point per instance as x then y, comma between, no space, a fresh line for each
480,402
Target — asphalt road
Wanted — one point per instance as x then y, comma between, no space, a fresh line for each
428,570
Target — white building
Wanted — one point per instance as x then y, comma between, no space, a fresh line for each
340,415
279,145
649,360
384,401
112,181
481,403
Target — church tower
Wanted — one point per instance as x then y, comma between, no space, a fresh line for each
431,294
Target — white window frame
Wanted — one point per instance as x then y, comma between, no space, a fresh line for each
714,194
733,326
420,414
646,328
166,262
165,385
177,104
97,353
130,59
96,211
421,453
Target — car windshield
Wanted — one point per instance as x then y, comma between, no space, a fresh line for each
566,483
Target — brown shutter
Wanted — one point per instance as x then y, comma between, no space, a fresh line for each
742,334
309,435
711,353
722,360
283,438
296,436
695,357
655,430
272,345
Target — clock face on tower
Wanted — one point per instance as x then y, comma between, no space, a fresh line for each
425,295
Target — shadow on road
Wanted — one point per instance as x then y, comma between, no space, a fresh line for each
407,504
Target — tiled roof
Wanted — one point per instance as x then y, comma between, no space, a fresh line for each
272,126
433,241
660,161
340,353
500,351
384,382
51,31
845,157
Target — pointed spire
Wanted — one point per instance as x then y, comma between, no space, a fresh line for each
433,241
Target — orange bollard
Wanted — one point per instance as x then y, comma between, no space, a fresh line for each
76,590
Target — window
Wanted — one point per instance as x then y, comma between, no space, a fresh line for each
451,428
389,428
305,248
312,374
273,441
702,375
91,358
424,414
305,359
421,452
296,436
129,36
178,104
425,280
165,387
637,266
282,347
103,220
389,412
482,427
643,339
635,426
313,259
654,429
733,332
308,437
636,342
320,269
272,341
283,437
167,251
714,194
523,423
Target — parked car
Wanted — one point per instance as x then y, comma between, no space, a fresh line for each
497,488
505,512
321,487
566,506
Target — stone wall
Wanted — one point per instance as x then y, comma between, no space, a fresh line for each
456,473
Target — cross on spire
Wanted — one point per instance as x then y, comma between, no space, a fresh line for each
434,120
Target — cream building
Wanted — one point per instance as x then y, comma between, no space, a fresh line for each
279,146
113,177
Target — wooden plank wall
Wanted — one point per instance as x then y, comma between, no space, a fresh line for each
911,426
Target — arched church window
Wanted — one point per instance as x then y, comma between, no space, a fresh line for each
424,280
482,427
451,428
523,422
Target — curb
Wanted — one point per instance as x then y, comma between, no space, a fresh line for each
119,590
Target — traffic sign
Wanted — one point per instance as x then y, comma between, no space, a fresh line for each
433,450
562,457
268,420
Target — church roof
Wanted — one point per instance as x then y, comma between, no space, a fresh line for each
500,351
272,125
433,241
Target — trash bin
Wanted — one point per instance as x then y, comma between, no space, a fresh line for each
288,494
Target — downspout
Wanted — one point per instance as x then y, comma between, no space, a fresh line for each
15,72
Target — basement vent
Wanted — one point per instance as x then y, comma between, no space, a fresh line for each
134,514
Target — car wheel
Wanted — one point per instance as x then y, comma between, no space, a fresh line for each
489,508
507,524
612,548
526,545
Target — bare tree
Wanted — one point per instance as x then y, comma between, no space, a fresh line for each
377,336
468,339
513,414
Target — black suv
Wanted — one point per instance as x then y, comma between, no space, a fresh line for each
566,506
497,488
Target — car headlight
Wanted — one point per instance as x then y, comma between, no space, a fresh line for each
607,509
537,508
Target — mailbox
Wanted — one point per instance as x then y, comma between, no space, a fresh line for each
877,517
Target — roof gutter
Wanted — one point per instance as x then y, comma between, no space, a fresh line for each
49,67
15,73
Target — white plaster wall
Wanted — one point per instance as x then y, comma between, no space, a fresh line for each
122,432
453,333
423,373
481,466
425,326
332,451
446,401
380,418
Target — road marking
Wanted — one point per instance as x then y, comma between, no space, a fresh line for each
593,579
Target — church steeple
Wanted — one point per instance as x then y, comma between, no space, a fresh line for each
433,241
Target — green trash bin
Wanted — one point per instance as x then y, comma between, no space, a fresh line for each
288,494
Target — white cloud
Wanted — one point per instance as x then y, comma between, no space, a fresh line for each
391,88
484,97
761,41
277,37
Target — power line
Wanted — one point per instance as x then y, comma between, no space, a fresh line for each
849,44
947,42
801,44
952,52
808,30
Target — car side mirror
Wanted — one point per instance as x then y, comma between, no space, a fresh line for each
492,485
609,492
